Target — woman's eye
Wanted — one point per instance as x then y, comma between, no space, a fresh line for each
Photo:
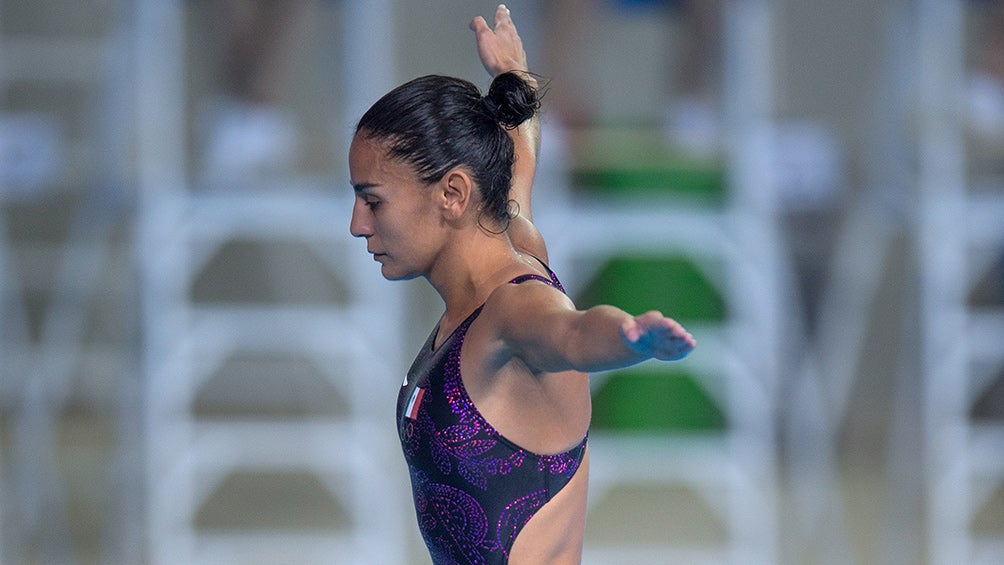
372,204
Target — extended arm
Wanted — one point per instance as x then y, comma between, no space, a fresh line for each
541,326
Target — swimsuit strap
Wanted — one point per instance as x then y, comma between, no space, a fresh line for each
524,278
552,281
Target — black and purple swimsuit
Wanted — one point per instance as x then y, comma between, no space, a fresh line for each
474,490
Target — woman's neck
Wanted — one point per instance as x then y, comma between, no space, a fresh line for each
468,272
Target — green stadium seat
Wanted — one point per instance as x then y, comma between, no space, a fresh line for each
633,162
666,399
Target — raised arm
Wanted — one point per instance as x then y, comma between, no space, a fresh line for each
501,50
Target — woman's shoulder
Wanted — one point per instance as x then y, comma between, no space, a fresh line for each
527,292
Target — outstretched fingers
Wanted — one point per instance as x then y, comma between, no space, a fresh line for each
479,26
657,336
503,18
501,48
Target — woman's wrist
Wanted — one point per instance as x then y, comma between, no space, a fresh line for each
527,77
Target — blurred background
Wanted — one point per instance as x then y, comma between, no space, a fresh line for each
199,365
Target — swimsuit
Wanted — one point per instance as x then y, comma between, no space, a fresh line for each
474,490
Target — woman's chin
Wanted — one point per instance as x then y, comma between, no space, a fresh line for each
391,274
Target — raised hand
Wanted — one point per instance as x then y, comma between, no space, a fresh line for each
656,336
500,49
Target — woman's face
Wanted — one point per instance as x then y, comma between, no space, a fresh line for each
393,211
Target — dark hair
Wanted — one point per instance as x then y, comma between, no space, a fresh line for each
435,123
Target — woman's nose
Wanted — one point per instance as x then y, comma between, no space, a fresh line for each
358,227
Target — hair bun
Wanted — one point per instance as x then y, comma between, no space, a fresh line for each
511,100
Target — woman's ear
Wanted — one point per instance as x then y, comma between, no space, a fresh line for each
457,192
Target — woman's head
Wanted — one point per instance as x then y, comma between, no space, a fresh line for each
437,123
